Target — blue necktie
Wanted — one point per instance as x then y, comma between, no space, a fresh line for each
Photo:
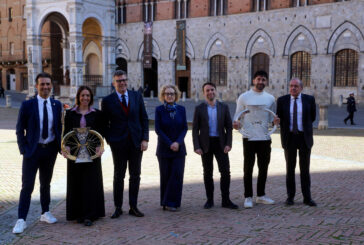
123,100
45,121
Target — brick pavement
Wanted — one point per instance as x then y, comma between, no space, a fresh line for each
337,170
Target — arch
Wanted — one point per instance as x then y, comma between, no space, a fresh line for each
122,50
97,18
91,48
91,32
156,51
292,37
212,41
57,16
340,30
254,38
190,51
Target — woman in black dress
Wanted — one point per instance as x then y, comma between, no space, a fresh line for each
85,192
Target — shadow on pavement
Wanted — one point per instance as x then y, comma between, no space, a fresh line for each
338,218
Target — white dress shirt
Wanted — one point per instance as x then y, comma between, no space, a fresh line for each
299,113
126,97
51,135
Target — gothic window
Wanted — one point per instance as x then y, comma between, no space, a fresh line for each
10,14
121,12
149,10
182,8
301,67
346,68
260,62
218,70
218,7
261,5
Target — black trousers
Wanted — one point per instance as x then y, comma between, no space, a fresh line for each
124,153
297,143
262,149
42,159
224,169
351,117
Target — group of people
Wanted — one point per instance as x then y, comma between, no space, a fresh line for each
123,122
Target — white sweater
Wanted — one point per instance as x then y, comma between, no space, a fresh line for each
256,98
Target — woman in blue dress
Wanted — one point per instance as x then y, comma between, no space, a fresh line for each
171,128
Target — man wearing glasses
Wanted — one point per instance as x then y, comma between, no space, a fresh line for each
127,133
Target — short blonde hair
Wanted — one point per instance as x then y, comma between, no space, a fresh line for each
163,90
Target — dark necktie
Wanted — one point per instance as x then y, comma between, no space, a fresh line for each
45,121
295,125
123,100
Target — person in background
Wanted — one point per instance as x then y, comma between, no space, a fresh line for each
171,128
351,108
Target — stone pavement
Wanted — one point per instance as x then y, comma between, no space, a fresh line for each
337,168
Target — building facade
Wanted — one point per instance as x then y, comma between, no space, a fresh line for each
13,59
225,41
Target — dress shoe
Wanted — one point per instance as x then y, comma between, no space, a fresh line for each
310,203
117,213
135,212
289,202
208,205
229,204
88,222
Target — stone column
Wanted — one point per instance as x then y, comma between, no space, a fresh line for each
324,122
76,63
34,49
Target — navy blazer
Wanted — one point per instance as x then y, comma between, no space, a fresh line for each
170,130
308,117
28,125
119,125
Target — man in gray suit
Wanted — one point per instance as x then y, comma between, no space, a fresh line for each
212,136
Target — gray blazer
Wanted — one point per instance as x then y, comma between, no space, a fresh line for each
200,130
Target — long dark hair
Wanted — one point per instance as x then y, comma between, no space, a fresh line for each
80,89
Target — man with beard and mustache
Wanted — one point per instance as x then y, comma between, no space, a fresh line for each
212,136
253,146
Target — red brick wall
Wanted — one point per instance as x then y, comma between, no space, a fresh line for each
239,6
165,10
278,4
199,8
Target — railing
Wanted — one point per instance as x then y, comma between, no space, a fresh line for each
93,81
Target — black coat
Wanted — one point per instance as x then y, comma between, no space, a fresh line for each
85,191
308,117
350,107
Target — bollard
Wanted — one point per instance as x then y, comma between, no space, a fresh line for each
220,96
323,123
151,94
100,103
8,101
183,96
341,100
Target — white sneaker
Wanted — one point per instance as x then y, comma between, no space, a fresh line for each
264,200
19,226
48,217
248,203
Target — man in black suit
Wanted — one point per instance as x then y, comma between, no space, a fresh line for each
38,133
127,133
212,136
297,112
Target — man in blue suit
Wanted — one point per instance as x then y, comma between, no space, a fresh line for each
38,133
127,133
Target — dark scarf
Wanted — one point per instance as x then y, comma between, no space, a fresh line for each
171,109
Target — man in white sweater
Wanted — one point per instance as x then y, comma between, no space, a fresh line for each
256,144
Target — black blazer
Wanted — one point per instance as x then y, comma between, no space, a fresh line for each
28,125
95,120
200,130
119,125
308,117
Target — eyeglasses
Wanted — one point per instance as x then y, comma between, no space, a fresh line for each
169,94
121,80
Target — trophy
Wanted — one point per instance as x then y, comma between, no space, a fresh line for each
81,144
255,122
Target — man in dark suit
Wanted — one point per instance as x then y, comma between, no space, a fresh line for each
127,133
297,112
212,136
38,133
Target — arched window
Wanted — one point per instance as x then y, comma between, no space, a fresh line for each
260,62
346,68
301,67
218,70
